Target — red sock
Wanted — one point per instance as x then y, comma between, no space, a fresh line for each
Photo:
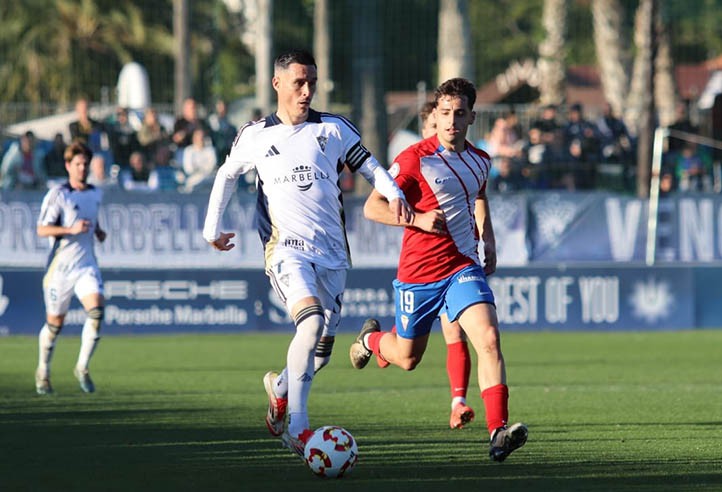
496,403
458,367
374,341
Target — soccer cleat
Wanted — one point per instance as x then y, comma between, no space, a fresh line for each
297,445
359,354
83,377
276,406
505,439
461,415
42,383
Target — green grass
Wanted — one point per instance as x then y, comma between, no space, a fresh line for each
606,412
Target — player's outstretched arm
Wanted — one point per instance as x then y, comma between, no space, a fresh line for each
378,209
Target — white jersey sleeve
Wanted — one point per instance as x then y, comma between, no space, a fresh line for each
238,162
358,158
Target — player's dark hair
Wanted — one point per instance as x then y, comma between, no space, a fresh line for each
457,87
77,148
426,110
302,57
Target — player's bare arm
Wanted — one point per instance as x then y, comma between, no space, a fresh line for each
378,209
483,222
78,227
223,243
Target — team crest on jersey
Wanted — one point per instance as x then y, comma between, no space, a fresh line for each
404,321
322,141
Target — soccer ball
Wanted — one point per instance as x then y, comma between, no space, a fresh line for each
331,452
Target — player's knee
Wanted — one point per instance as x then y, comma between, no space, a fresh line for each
95,317
54,329
490,339
409,363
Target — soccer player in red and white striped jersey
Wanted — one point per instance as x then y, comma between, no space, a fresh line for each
440,273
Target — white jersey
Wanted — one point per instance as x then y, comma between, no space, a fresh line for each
63,206
300,207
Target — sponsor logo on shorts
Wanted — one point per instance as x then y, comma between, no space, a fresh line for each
469,278
442,180
294,243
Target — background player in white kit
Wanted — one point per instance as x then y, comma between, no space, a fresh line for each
69,217
298,154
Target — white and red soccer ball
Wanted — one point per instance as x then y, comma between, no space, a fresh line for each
331,452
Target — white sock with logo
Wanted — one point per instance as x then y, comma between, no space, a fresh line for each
300,366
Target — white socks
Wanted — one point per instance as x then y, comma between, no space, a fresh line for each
300,366
88,342
46,344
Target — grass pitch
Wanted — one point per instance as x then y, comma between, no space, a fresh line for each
606,412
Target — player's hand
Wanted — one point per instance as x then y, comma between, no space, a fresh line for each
432,221
223,243
79,227
489,258
100,234
402,211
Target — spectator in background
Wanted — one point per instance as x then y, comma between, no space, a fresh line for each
682,123
581,142
22,165
85,128
222,131
508,177
123,138
199,161
537,160
98,176
549,126
693,169
502,142
163,177
135,177
151,135
54,160
615,141
186,124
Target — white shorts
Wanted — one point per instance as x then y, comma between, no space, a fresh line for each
292,280
59,286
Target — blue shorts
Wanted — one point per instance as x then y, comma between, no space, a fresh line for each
418,305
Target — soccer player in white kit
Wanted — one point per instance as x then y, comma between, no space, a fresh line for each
298,154
69,217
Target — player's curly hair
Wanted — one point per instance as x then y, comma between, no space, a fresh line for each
301,57
457,87
76,148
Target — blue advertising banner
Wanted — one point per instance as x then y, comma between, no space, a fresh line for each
553,298
163,230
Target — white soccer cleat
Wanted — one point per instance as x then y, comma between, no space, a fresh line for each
297,445
83,377
42,383
276,406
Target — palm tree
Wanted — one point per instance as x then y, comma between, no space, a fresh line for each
456,58
612,54
55,46
552,68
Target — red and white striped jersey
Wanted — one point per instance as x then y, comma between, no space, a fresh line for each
433,177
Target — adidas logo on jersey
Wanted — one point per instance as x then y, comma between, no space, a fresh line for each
272,151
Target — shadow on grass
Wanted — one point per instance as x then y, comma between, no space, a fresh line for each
161,449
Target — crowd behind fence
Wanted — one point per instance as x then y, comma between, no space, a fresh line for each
532,148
